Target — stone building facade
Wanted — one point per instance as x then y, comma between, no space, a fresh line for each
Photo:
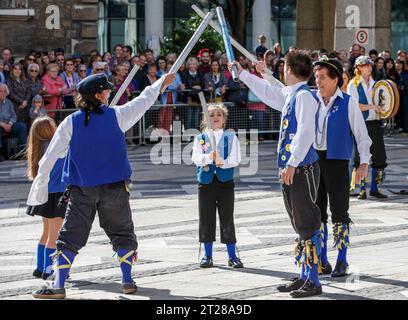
46,25
94,24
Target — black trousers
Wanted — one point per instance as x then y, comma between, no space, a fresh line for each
377,149
115,217
299,199
216,195
333,188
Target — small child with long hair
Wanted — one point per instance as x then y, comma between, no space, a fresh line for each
215,175
41,133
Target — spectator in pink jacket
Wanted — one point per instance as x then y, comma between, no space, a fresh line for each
54,89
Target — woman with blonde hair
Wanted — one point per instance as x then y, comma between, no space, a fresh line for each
215,176
41,133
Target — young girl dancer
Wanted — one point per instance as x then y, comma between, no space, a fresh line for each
41,133
215,175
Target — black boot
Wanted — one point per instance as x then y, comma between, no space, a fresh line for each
296,284
235,263
378,195
206,262
307,290
49,292
326,268
362,195
341,269
37,274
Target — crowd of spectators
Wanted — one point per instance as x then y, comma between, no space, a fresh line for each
44,82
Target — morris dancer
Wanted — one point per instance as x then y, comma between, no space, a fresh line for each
360,88
41,133
97,170
339,122
297,161
215,175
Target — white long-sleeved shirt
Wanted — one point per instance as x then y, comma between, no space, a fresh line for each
368,90
126,115
279,98
356,122
200,158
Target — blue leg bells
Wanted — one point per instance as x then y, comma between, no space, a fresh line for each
324,266
307,254
207,260
62,264
126,259
363,193
341,233
377,178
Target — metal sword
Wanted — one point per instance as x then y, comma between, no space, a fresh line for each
227,42
124,85
207,120
190,45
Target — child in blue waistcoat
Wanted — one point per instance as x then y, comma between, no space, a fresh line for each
215,176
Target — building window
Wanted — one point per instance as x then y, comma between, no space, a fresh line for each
15,9
284,22
399,25
117,23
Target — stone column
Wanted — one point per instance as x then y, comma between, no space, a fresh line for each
357,20
261,22
315,24
154,22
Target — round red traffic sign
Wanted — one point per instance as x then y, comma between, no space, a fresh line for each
362,36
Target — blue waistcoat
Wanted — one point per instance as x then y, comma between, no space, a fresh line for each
224,148
97,152
288,131
55,184
340,139
362,98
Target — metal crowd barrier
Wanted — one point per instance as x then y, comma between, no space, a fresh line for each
175,120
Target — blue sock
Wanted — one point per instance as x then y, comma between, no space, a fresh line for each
61,274
325,234
342,254
374,186
314,275
126,267
40,257
48,260
303,274
231,249
208,247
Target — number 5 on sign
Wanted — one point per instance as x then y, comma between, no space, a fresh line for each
362,36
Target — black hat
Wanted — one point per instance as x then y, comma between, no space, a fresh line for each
334,65
94,84
59,50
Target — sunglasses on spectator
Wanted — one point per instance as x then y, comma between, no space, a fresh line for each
99,70
35,71
83,70
30,59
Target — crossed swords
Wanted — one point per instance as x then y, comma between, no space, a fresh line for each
221,27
